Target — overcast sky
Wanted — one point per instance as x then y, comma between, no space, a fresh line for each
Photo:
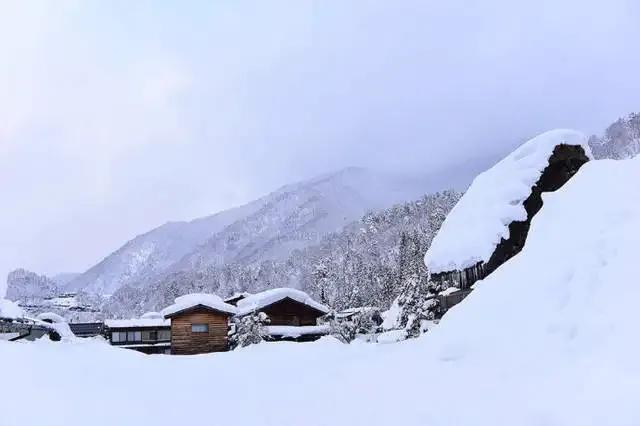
117,116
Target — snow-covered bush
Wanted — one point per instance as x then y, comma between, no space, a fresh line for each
346,326
249,330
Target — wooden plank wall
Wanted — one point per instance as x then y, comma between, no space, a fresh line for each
184,342
289,312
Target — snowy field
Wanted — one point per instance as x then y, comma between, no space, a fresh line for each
551,338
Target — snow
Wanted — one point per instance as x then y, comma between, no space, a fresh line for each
10,310
448,291
391,317
260,300
190,300
152,315
139,322
51,316
296,331
549,339
392,336
475,226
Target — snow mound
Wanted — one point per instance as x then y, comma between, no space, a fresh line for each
296,331
475,226
52,317
10,310
260,300
152,315
191,300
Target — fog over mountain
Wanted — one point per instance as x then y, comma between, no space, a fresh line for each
116,118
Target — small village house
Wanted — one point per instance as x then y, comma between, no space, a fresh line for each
292,314
199,324
150,334
87,329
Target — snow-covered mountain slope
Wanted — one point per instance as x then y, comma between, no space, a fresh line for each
153,252
548,339
269,228
300,215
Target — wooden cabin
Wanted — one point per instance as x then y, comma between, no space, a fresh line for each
292,314
150,335
199,324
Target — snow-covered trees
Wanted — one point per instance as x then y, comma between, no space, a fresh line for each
621,140
249,330
366,264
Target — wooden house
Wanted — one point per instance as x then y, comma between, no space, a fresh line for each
199,324
150,334
292,314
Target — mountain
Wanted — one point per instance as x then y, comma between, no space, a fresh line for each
367,263
64,278
153,252
270,228
621,140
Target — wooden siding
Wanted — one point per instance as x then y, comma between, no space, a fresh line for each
184,342
291,312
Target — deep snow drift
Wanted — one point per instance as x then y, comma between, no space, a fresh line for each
475,226
550,338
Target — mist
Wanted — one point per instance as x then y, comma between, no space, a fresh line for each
116,117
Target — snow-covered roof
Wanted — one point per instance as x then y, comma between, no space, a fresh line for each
9,309
296,331
137,323
199,299
260,300
51,316
481,218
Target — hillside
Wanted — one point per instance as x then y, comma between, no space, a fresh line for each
547,339
268,229
366,263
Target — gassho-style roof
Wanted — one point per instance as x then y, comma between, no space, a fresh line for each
267,298
479,221
190,302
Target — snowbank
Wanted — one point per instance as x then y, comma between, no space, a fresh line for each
549,339
190,300
475,226
296,331
258,301
10,310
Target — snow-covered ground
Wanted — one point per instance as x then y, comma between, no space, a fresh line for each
548,339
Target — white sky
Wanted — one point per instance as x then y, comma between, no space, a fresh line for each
118,116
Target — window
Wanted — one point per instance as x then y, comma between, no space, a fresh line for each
134,336
149,336
164,335
199,328
118,336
